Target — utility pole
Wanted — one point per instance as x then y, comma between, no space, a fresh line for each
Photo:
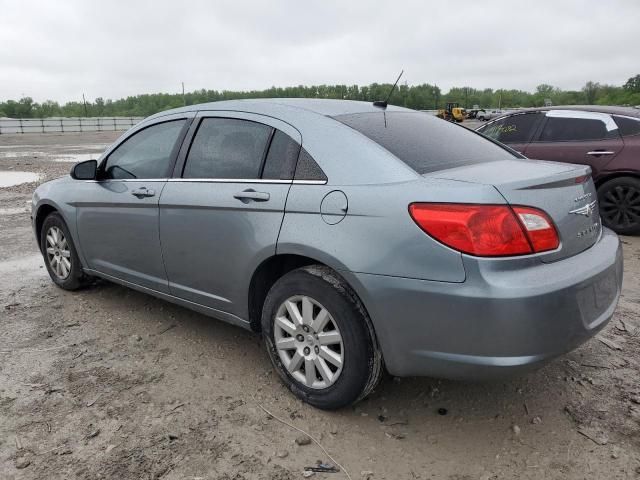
404,94
84,101
184,99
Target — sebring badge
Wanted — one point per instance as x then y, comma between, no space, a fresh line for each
586,210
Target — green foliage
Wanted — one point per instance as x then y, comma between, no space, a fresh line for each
419,97
633,84
591,90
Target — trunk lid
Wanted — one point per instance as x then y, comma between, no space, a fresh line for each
549,186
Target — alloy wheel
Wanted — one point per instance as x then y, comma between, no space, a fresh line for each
620,206
58,253
308,342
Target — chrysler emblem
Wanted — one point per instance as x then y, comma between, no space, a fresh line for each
586,210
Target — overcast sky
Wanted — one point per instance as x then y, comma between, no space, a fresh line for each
60,49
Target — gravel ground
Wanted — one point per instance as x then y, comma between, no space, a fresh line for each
110,383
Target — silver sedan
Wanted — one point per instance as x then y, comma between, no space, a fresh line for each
354,236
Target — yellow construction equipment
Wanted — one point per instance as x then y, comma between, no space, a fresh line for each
452,112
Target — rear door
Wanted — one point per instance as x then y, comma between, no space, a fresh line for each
514,130
587,138
118,217
220,215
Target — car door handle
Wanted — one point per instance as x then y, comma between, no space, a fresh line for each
250,194
597,153
143,192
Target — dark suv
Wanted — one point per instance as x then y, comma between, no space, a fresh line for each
605,138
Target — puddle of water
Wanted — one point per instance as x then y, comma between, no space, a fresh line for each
22,154
61,146
33,265
70,157
13,211
74,157
9,179
87,146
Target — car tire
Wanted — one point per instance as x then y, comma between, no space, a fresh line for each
327,309
619,201
60,255
481,119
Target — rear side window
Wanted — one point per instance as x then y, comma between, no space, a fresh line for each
628,126
308,168
146,154
227,148
422,141
281,159
578,126
513,129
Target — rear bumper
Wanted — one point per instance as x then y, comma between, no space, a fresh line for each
505,318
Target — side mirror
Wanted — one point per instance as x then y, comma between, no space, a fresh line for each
85,170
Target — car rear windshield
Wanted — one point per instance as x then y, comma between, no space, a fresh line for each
425,142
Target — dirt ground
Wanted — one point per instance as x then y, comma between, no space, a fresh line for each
110,383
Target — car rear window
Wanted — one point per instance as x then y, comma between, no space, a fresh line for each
422,141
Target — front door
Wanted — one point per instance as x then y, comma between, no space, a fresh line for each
118,218
221,218
514,130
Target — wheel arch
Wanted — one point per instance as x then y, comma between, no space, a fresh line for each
602,179
43,211
268,273
278,265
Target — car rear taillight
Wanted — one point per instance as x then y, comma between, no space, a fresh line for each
538,228
487,230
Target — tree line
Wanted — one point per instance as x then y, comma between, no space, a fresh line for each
419,97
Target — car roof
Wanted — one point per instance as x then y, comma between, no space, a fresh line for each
320,106
345,155
614,110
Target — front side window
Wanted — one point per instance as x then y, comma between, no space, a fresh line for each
227,148
146,154
517,128
576,126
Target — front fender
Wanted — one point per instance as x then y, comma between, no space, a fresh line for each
56,195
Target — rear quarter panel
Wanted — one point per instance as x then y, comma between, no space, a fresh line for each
377,235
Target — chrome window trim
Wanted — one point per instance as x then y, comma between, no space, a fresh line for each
211,180
226,180
310,182
147,180
247,180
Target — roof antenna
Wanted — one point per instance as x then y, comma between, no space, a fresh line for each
383,103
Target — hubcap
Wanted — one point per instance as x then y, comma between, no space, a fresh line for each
620,206
308,342
58,253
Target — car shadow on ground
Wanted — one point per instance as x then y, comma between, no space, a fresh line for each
526,395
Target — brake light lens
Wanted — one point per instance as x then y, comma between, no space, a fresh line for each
487,230
539,228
